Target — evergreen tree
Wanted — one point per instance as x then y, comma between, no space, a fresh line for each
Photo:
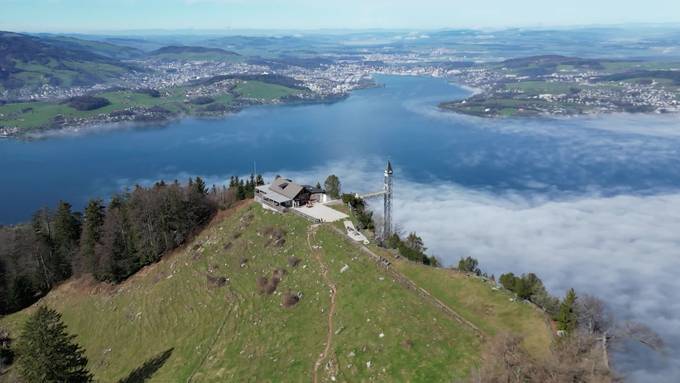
92,234
199,186
409,253
47,353
567,319
259,181
241,190
249,189
522,288
415,242
507,280
332,186
365,219
252,180
393,241
66,226
117,256
469,265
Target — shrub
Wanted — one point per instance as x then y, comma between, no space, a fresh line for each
216,281
469,265
290,299
293,261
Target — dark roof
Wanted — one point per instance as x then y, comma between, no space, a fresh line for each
313,189
389,167
286,187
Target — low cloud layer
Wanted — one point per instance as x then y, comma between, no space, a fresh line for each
624,249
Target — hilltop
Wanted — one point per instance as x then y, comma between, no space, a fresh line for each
268,297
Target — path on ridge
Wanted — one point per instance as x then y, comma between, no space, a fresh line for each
331,311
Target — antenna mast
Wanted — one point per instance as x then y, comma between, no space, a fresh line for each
387,214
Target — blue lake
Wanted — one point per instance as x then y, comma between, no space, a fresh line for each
398,121
592,203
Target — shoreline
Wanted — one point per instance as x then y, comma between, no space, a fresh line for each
454,107
100,124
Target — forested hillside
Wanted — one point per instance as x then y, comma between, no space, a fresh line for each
108,241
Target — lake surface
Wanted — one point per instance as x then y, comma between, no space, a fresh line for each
591,203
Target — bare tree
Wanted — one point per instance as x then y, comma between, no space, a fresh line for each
573,359
593,316
641,333
597,321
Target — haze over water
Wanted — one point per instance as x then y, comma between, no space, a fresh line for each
589,203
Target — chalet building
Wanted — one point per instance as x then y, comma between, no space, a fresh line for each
283,194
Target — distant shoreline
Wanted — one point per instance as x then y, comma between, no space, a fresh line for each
103,123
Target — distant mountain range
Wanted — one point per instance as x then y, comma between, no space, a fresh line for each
32,61
175,52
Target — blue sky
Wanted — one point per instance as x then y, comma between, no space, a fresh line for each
107,15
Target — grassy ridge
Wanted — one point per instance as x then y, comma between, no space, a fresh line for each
234,333
491,310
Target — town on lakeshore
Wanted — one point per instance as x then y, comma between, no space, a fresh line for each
145,81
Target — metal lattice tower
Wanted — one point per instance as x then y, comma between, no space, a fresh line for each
387,214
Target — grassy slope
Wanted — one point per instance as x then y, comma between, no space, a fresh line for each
67,72
491,310
262,90
39,114
32,115
475,299
233,333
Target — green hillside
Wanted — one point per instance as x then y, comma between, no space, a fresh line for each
202,315
101,48
263,90
31,62
169,102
